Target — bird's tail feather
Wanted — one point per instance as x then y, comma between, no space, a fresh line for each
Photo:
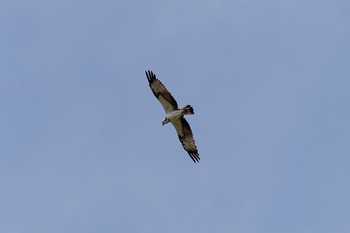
188,110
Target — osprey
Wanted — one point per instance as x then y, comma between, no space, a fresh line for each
174,115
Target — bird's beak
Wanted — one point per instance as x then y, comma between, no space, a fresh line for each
163,123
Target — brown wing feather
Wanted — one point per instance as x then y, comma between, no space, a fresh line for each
184,132
161,93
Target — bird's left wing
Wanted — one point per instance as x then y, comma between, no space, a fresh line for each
161,93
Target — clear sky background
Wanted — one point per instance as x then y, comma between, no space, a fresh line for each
82,147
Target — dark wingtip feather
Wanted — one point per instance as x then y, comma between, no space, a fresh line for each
150,76
194,156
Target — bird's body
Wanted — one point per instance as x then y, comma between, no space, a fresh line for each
175,115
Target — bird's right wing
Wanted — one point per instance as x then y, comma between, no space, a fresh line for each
184,132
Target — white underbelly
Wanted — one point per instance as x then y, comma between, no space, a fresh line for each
174,115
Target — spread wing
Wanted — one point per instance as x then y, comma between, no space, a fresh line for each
184,132
161,93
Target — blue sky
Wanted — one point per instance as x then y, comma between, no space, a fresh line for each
83,148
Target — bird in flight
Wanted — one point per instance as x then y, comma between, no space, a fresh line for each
174,115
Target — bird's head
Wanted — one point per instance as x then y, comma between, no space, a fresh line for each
165,121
